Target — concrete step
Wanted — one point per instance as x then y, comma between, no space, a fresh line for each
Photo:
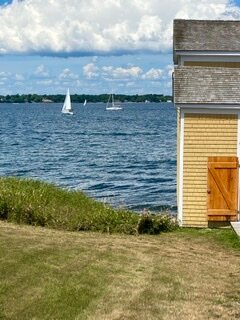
236,227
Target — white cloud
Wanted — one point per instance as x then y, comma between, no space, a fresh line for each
121,73
8,76
19,77
41,71
66,74
130,84
45,82
78,83
4,76
90,70
129,73
153,74
87,27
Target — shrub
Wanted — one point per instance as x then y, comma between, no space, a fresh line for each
4,210
156,223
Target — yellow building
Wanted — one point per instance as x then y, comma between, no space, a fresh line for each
206,85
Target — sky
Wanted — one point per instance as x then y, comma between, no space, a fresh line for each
95,46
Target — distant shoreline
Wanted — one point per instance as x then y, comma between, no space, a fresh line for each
76,98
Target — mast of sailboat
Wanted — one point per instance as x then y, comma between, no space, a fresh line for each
112,100
108,100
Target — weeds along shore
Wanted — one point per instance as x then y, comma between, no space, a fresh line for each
33,202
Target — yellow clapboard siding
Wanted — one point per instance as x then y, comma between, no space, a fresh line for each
204,121
201,190
193,197
202,224
188,152
196,215
194,218
192,143
202,125
222,140
195,209
204,135
197,168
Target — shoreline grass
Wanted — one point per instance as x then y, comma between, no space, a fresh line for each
27,201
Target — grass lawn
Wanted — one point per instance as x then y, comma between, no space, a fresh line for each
185,274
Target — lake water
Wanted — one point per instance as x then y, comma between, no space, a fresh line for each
126,158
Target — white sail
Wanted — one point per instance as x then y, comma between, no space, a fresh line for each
85,102
67,108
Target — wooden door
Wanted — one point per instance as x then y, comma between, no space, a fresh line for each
222,188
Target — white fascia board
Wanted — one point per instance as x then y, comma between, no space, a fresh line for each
207,57
207,53
211,108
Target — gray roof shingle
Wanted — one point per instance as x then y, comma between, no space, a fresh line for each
206,85
206,35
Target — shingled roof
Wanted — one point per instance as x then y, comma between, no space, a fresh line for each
206,85
206,35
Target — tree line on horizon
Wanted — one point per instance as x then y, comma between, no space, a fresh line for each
80,98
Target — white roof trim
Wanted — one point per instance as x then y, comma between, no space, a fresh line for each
207,53
208,106
209,111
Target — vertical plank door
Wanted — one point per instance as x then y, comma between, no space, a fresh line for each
222,200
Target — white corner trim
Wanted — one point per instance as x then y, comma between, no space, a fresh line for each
238,155
238,136
181,150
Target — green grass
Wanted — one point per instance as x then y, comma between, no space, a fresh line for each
38,203
50,274
47,273
224,236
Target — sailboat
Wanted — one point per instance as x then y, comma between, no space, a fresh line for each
67,108
85,102
111,105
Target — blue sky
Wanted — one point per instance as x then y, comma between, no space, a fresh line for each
93,46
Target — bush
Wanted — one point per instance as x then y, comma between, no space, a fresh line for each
156,223
4,210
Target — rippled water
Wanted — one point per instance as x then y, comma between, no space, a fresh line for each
125,157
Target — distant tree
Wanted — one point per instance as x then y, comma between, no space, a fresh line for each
76,98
